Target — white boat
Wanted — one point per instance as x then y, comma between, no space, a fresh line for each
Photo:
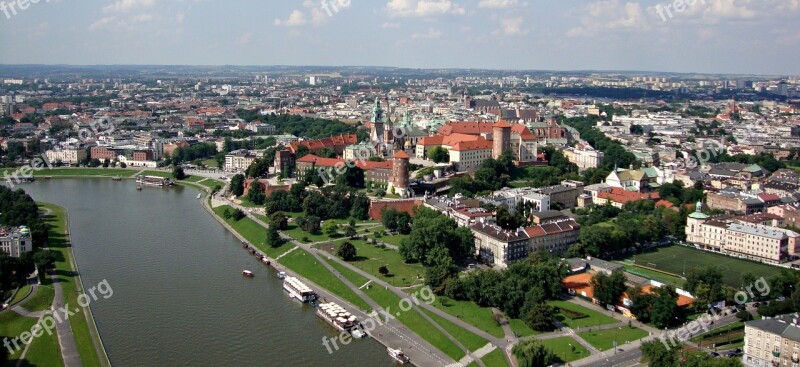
357,333
398,355
282,275
199,195
247,273
298,290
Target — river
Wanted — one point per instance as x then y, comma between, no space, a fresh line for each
179,298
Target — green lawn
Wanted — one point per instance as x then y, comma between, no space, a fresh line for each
495,358
650,274
595,318
253,232
604,339
21,292
11,325
480,317
45,351
307,266
194,179
566,348
84,332
520,329
673,258
298,234
371,258
414,321
41,300
211,183
394,239
465,337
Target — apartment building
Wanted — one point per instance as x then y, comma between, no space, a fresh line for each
70,155
584,156
772,341
15,240
498,247
238,161
742,239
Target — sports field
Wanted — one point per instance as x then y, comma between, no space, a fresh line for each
673,259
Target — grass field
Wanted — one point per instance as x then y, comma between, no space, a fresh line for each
494,359
252,232
21,292
566,348
520,329
466,338
480,317
415,322
649,274
307,266
370,258
83,331
604,339
673,258
211,183
41,300
595,318
11,325
164,174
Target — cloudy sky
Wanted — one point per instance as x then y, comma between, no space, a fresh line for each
715,36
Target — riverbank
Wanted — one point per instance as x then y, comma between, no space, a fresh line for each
88,340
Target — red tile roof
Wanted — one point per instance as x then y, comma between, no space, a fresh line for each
620,195
501,124
471,145
401,155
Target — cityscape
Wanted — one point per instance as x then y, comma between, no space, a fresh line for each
428,182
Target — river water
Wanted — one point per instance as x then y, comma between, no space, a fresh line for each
179,298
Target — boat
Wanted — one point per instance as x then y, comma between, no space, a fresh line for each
398,355
337,316
153,181
282,275
358,333
298,290
199,196
116,178
247,273
265,261
138,187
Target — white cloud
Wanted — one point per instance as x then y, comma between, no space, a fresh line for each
296,19
431,34
512,27
122,6
102,23
498,4
388,25
423,8
244,39
610,15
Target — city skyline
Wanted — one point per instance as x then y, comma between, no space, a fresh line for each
710,36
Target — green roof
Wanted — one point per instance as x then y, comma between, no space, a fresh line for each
698,215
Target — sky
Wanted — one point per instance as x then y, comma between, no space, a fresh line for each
703,36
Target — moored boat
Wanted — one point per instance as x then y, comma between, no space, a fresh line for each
282,275
298,290
398,355
247,273
337,316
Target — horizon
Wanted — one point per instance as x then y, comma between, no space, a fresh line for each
723,37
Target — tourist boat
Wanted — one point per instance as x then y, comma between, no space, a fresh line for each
337,316
282,275
298,290
153,181
398,355
247,273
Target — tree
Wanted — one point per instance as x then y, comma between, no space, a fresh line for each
439,155
641,304
330,228
238,215
383,270
44,260
609,288
656,354
273,239
350,231
532,353
237,185
389,219
178,174
346,251
309,223
259,168
403,223
665,307
279,221
106,163
256,193
540,317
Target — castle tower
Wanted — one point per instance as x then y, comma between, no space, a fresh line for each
501,138
399,183
376,135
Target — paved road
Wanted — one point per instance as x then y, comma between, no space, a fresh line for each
69,351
